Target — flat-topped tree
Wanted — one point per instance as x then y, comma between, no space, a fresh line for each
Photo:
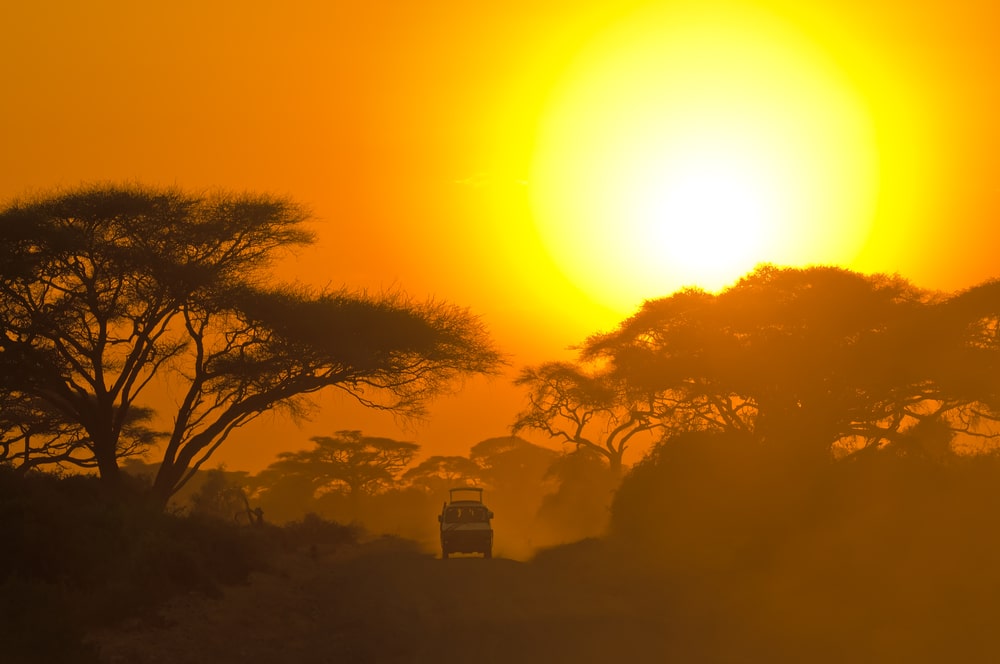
107,289
813,361
348,461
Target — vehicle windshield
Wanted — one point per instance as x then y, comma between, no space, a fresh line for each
465,514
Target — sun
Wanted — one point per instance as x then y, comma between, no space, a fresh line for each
686,143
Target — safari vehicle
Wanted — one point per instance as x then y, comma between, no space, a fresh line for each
465,523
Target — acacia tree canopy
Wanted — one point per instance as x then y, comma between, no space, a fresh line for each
349,462
437,474
106,290
809,360
511,461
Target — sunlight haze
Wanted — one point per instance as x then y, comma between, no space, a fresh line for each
686,144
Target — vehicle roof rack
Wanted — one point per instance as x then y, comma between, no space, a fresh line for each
469,489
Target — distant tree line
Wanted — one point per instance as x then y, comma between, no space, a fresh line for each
539,495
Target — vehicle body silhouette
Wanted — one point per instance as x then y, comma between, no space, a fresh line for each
465,523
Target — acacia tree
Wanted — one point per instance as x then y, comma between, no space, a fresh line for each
436,474
34,434
347,462
814,359
512,466
586,407
31,433
106,290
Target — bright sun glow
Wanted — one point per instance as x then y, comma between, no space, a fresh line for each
683,146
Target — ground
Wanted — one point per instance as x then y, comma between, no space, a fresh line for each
387,602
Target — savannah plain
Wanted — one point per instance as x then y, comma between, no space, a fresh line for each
704,294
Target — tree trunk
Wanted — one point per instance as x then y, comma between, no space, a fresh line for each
616,466
164,484
107,464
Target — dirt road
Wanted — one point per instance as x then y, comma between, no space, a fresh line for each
387,604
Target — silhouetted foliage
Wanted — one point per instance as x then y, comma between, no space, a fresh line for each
509,461
879,555
33,433
814,360
541,497
222,495
75,557
337,476
347,462
317,535
580,506
106,288
589,408
284,497
816,493
436,474
705,501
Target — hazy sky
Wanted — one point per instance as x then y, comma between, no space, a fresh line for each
412,130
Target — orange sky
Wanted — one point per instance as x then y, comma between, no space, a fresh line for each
408,128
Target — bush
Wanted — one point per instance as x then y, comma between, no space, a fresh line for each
75,558
884,556
318,535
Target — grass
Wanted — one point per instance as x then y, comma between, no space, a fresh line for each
75,559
